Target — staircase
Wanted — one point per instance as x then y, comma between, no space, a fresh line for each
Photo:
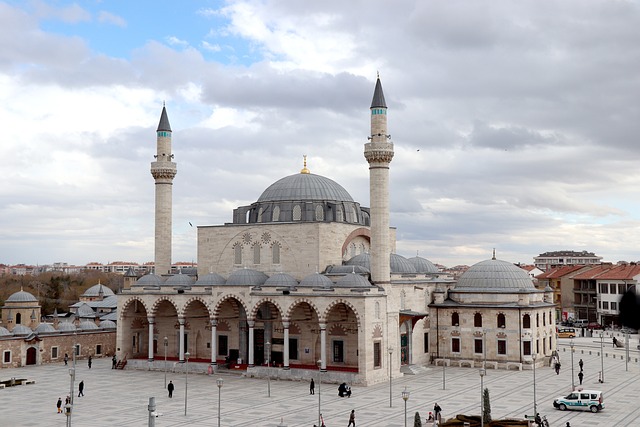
122,363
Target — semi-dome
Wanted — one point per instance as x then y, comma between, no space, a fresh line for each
21,330
495,275
88,325
211,279
316,280
67,327
179,280
108,324
98,290
397,263
45,328
22,296
423,265
353,280
4,332
247,277
303,187
281,279
149,280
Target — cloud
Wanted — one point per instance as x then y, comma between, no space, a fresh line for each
112,19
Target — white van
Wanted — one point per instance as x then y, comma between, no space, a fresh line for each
580,323
591,400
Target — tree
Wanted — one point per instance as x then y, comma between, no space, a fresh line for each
486,409
417,422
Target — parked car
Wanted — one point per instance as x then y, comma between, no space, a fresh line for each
580,323
566,333
584,400
594,325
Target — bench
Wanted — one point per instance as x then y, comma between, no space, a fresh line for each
514,366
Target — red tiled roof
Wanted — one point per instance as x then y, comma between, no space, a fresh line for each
558,272
621,272
593,272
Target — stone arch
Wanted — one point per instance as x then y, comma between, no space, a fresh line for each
256,306
363,232
215,308
287,314
128,301
197,298
159,301
345,302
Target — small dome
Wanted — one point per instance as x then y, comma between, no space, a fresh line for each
22,330
22,296
316,280
149,280
281,279
352,280
303,187
67,327
45,328
423,265
88,325
247,277
4,332
84,310
179,280
495,275
98,290
397,263
108,324
344,269
211,279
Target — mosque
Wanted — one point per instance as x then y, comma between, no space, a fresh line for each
306,278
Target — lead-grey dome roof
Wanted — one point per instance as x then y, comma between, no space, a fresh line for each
494,275
281,279
45,328
305,186
179,280
353,280
94,291
4,332
423,265
66,326
84,310
149,280
247,276
88,325
211,279
316,280
398,263
22,330
107,324
22,296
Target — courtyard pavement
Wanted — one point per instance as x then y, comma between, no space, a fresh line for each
120,398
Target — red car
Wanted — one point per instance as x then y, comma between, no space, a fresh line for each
594,325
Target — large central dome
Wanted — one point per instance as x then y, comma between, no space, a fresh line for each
305,186
495,275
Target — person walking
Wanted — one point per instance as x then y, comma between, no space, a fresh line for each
436,410
312,387
89,361
580,376
114,362
170,387
615,342
581,364
352,418
66,359
557,367
67,400
59,405
81,388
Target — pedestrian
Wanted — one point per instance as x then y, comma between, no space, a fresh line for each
89,362
114,362
352,418
436,410
557,368
67,400
312,387
581,364
615,342
66,359
59,405
81,388
170,388
580,376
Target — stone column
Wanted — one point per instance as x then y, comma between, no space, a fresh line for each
214,342
151,320
285,356
251,324
410,341
323,346
181,321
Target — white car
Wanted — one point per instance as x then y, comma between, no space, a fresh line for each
591,400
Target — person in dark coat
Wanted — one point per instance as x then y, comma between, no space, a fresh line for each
114,362
66,359
581,364
557,367
89,361
615,342
170,387
580,376
59,405
81,389
312,387
436,410
352,418
342,389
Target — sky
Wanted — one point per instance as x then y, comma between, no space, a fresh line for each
515,124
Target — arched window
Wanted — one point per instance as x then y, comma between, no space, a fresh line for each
237,254
319,213
256,254
275,253
339,214
260,215
18,318
477,320
502,321
526,321
276,214
537,320
352,250
297,213
455,319
354,215
544,319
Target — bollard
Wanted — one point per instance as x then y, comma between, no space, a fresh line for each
282,424
152,410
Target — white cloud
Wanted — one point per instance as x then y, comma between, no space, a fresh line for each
109,18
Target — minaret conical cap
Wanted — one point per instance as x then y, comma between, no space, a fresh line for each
164,121
378,96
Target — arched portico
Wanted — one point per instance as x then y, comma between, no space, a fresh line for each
232,330
134,324
342,325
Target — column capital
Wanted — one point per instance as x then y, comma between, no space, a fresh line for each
151,319
285,324
181,320
323,326
251,323
214,322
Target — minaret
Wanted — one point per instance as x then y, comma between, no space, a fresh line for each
163,171
379,152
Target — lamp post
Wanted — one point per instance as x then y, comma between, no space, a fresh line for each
186,380
626,351
390,350
68,406
443,374
268,345
166,344
405,397
482,372
319,363
67,412
602,356
535,403
573,381
219,382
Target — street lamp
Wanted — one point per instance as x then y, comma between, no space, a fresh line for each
67,412
268,345
68,406
573,381
319,363
186,381
602,356
166,344
390,350
482,373
535,403
219,382
405,397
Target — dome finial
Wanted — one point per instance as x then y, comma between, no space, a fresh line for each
304,169
494,254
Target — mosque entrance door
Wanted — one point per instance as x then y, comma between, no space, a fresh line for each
404,349
31,356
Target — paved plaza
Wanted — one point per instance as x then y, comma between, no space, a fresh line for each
120,398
